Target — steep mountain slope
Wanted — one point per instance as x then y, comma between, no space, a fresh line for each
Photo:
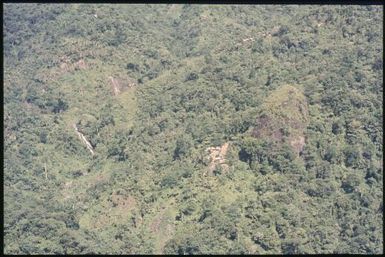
192,129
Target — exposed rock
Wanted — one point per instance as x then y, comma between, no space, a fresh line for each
298,144
84,139
67,66
115,85
250,39
217,157
64,67
283,118
80,65
118,84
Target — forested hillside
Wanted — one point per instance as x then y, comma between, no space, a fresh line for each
193,129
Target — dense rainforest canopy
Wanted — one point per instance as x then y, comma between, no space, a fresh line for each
193,129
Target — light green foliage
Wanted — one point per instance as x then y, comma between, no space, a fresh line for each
151,88
287,101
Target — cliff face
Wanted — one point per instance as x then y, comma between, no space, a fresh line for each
283,118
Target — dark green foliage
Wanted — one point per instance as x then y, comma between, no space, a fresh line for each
182,147
192,77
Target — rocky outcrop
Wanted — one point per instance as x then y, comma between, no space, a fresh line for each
84,139
216,156
283,118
